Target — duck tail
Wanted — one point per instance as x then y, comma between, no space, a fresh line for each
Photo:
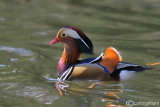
110,59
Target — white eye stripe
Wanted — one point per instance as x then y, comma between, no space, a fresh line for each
73,34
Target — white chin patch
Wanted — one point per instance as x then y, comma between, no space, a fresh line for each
126,75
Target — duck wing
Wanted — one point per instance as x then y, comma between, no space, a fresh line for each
130,67
125,71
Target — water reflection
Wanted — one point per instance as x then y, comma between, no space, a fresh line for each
106,92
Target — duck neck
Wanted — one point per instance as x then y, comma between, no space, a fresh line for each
70,54
69,57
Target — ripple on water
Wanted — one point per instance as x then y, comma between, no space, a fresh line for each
39,93
1,65
2,19
19,51
14,59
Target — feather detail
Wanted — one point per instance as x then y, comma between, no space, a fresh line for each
71,52
83,41
88,71
110,59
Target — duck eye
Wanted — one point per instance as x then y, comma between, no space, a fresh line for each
63,34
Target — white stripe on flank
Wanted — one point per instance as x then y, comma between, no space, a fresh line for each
66,73
69,70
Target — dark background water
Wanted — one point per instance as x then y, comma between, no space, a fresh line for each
28,63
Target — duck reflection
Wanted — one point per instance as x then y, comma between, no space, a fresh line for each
106,92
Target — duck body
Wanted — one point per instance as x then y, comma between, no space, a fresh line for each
107,66
83,69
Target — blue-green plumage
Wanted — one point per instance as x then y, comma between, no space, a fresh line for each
83,48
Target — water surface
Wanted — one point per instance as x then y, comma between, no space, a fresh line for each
28,63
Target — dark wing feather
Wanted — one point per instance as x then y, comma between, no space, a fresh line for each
126,66
130,67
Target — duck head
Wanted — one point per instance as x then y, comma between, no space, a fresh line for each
75,38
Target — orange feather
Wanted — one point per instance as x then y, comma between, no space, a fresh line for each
110,59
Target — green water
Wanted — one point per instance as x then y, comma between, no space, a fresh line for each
28,63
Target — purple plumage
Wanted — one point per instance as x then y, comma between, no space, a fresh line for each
62,67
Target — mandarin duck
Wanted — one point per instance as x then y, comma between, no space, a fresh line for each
107,66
